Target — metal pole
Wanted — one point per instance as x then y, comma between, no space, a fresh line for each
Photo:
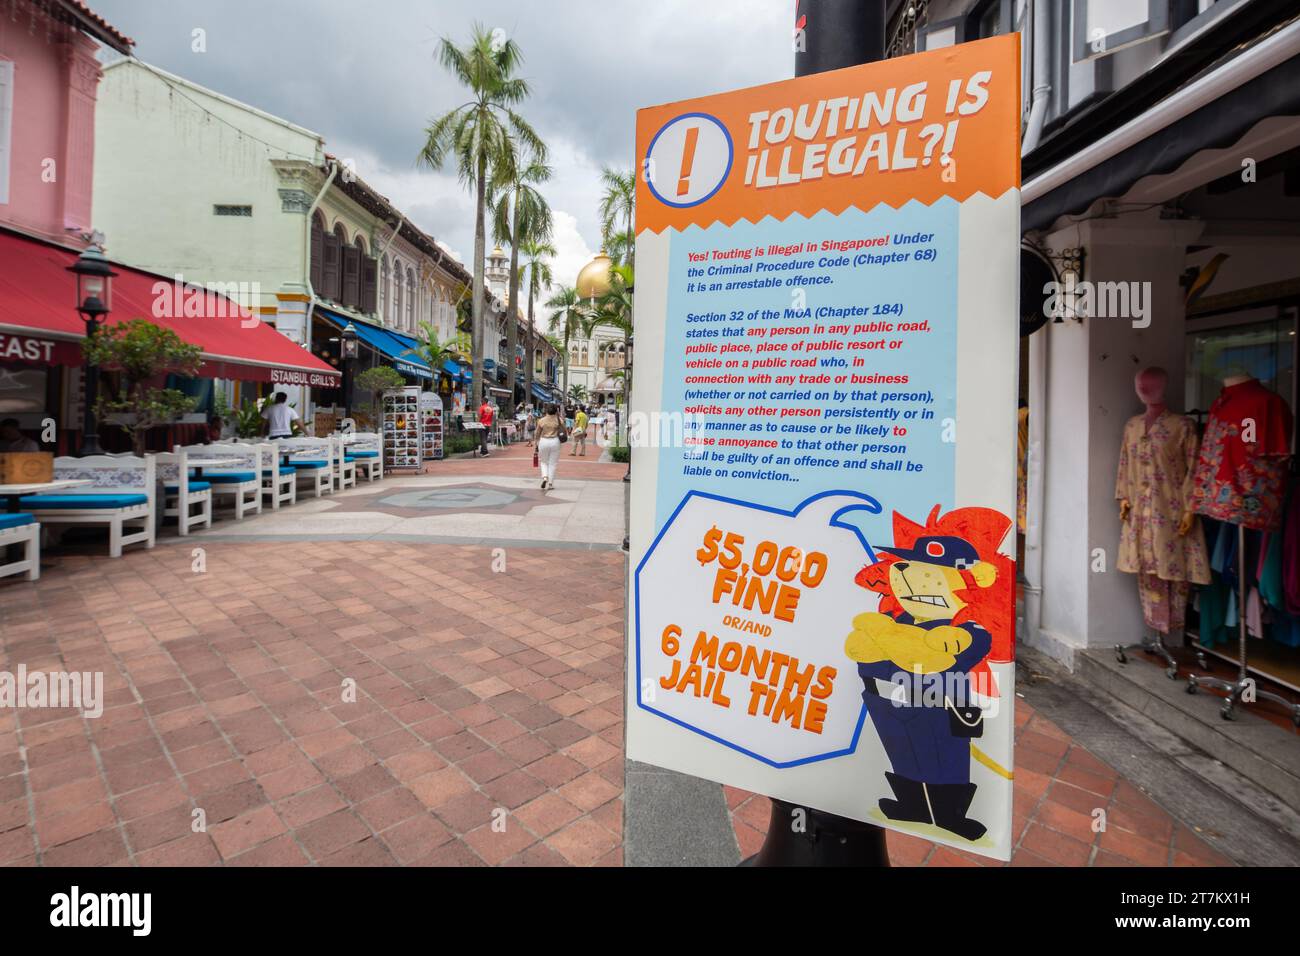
90,393
828,35
834,34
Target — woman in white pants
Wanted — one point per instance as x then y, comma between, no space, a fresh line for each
549,430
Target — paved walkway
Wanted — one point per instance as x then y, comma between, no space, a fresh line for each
1058,788
429,671
486,725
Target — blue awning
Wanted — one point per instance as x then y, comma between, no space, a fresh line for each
394,347
541,393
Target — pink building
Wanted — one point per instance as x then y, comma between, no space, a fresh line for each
48,80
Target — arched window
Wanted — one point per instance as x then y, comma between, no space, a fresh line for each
573,355
383,288
396,317
317,251
410,298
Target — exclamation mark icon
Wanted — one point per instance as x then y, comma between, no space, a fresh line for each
688,160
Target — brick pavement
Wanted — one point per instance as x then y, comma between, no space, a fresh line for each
516,461
479,696
1058,785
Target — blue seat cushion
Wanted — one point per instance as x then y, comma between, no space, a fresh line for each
75,502
364,454
194,486
287,470
234,478
310,464
14,520
348,458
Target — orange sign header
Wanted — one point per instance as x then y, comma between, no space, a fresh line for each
943,123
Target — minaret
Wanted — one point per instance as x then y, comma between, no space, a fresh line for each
498,274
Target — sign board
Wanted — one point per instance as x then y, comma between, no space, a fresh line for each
824,434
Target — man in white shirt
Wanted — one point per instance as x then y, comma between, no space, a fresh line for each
280,417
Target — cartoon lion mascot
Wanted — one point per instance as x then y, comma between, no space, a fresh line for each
947,606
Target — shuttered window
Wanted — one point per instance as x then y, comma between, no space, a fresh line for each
317,255
351,276
369,283
332,271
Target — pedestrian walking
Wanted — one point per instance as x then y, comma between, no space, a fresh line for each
487,414
530,425
551,434
579,432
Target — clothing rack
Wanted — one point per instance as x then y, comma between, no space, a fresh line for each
1243,689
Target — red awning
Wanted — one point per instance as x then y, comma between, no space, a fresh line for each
39,325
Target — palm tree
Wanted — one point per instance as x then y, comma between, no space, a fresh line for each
476,136
539,251
570,319
434,353
520,214
617,208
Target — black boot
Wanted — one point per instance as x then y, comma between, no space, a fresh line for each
910,805
950,801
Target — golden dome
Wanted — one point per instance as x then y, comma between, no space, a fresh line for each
593,280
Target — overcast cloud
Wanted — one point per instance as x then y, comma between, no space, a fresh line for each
364,76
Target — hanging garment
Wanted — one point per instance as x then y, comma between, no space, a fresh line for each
1270,574
1222,533
1214,612
1154,476
1164,604
1241,480
1254,614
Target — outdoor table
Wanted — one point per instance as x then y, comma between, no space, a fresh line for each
198,464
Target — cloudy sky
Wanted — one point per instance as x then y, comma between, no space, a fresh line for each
364,76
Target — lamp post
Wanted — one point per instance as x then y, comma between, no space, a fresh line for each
348,350
94,301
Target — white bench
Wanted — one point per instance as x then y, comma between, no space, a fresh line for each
20,530
121,495
181,494
368,450
279,482
313,460
238,477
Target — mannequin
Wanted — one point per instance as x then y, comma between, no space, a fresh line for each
1161,540
1240,476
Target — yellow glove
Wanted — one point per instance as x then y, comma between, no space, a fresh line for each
947,639
861,644
918,651
878,637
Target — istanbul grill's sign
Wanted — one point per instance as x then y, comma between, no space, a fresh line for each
293,376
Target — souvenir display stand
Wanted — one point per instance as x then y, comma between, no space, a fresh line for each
431,425
401,428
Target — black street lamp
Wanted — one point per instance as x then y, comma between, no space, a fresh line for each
94,301
349,350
